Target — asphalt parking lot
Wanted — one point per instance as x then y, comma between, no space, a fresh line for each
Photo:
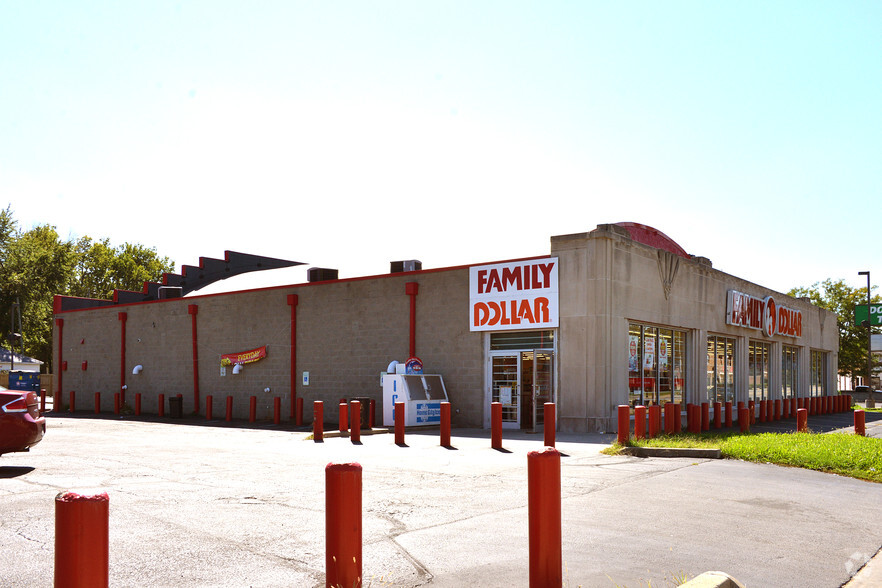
227,505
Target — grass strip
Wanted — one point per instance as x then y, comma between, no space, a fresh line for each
838,453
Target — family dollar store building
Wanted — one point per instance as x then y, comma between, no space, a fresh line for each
618,315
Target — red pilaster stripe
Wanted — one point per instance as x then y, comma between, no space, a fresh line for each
293,300
412,289
193,309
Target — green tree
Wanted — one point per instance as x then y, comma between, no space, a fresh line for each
841,298
35,265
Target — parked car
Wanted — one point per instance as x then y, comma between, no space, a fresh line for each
21,424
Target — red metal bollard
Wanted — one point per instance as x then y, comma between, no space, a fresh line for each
277,410
544,500
355,429
728,414
161,405
718,415
343,525
116,406
860,427
669,418
298,411
678,420
399,423
695,427
654,421
97,402
209,407
496,425
744,420
318,417
73,396
82,554
762,411
751,406
639,423
690,417
777,413
343,416
138,404
624,424
705,416
801,420
550,417
252,409
445,424
785,408
793,406
228,413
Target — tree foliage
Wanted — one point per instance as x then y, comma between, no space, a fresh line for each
841,298
35,265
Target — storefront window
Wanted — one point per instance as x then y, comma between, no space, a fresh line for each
516,340
656,365
720,369
758,370
789,372
818,386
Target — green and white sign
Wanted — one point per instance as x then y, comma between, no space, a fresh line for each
860,314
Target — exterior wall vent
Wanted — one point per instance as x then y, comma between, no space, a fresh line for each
410,265
321,274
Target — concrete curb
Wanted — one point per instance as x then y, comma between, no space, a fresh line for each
713,580
673,452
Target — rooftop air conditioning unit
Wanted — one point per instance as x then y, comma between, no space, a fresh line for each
410,265
320,274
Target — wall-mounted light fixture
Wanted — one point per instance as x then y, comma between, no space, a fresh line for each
137,369
237,368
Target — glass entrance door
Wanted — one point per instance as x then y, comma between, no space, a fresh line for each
523,382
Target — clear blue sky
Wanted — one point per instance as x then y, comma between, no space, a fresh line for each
351,134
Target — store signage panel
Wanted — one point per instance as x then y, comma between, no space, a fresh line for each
762,314
875,314
515,295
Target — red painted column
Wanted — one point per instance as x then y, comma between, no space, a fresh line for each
445,424
138,404
654,421
293,300
56,400
73,401
801,420
669,418
718,415
744,419
252,409
343,408
550,424
343,519
160,404
97,402
123,317
496,425
82,553
209,407
544,500
639,423
355,426
860,423
412,289
229,412
318,418
624,424
399,423
193,310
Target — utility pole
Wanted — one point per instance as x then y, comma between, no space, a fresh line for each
871,403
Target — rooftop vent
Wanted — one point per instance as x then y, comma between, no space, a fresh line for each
410,265
166,292
320,274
